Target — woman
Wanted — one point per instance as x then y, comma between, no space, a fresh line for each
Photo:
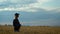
16,23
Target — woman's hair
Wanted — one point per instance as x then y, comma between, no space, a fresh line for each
16,14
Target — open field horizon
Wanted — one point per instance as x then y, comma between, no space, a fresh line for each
30,30
35,16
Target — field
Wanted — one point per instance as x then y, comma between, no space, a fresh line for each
30,30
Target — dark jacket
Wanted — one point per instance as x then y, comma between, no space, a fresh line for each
16,23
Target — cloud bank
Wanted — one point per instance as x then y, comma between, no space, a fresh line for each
27,5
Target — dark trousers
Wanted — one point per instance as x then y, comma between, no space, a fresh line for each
16,28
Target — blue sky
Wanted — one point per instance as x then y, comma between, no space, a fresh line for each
45,12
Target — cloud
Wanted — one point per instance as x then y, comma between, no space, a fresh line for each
16,2
46,4
23,1
2,1
27,9
43,1
26,5
40,3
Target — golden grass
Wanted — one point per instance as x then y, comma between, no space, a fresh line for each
30,30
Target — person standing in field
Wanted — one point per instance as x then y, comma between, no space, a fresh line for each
16,23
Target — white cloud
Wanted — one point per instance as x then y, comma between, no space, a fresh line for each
22,1
39,3
27,7
3,1
43,1
49,8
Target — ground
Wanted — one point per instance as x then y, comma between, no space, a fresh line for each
30,30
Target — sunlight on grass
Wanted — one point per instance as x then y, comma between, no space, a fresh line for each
30,30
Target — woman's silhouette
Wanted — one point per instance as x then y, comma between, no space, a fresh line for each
16,23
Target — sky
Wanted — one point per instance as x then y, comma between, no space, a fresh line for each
33,10
29,5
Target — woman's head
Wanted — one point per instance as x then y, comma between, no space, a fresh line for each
16,15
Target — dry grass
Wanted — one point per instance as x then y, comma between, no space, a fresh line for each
30,30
